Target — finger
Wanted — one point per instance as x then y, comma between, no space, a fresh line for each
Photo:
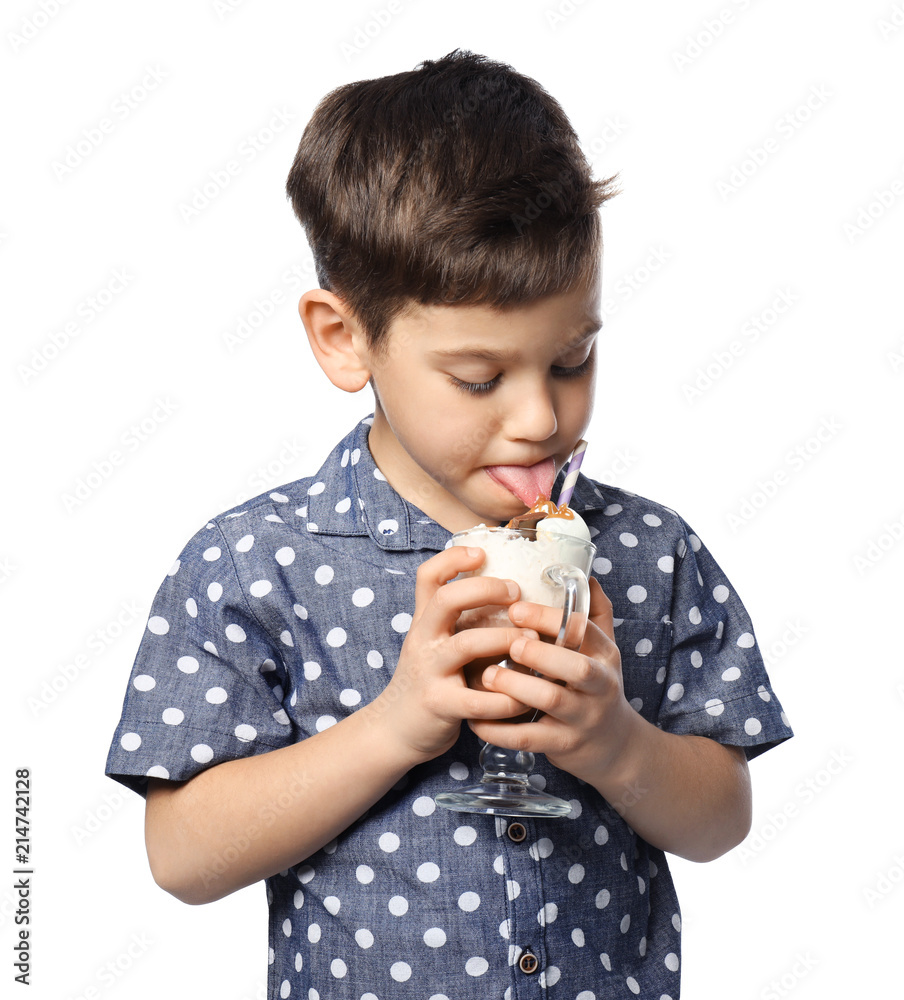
467,603
536,616
601,608
579,671
540,693
444,566
468,704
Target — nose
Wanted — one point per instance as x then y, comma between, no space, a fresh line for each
531,412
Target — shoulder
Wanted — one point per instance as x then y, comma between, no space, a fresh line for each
612,512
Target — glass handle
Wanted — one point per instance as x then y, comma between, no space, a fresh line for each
577,603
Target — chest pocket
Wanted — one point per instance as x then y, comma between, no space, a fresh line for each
644,648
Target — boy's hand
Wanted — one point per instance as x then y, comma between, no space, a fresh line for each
427,698
587,720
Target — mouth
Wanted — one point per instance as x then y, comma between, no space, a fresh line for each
526,482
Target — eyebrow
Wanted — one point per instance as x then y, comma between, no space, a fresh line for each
485,354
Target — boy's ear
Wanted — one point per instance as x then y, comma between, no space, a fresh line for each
336,339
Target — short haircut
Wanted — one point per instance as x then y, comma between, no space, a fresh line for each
458,182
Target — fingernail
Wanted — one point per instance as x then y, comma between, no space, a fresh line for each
489,675
472,552
517,648
516,612
514,591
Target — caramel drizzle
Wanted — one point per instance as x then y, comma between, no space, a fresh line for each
543,507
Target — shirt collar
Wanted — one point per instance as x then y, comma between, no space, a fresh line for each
349,496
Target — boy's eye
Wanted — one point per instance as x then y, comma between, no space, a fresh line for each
480,388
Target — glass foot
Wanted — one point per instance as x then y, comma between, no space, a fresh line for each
499,796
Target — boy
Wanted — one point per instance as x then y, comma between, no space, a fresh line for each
298,698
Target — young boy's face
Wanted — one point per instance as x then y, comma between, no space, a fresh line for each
465,393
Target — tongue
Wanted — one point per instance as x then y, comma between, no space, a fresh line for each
527,482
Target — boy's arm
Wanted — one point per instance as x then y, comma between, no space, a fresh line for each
685,794
247,819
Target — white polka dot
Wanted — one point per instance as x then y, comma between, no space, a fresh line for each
401,622
260,588
731,674
332,905
379,476
285,556
374,659
187,664
338,968
388,527
721,593
400,972
157,771
694,616
643,647
130,741
714,706
349,697
652,520
550,976
612,509
174,569
172,716
314,933
285,988
398,906
235,633
505,929
577,936
364,938
512,888
576,874
435,937
343,505
244,543
324,722
676,921
602,566
201,753
423,805
362,597
746,640
245,733
476,966
336,637
286,639
632,984
287,927
666,564
602,899
607,962
298,899
465,835
636,594
696,658
300,611
311,670
675,692
625,923
541,849
627,539
428,872
763,693
389,842
144,682
158,625
316,488
191,606
324,574
547,914
364,874
212,554
752,726
216,696
459,771
601,835
671,962
214,591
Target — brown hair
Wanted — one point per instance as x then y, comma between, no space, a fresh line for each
460,181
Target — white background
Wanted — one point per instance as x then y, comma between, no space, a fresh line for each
787,463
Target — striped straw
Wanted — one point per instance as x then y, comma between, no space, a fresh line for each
571,476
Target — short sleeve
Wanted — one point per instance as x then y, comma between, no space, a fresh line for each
207,682
716,683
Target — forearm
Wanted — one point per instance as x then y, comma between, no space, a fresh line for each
244,820
687,795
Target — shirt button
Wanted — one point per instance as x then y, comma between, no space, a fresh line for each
516,833
528,963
